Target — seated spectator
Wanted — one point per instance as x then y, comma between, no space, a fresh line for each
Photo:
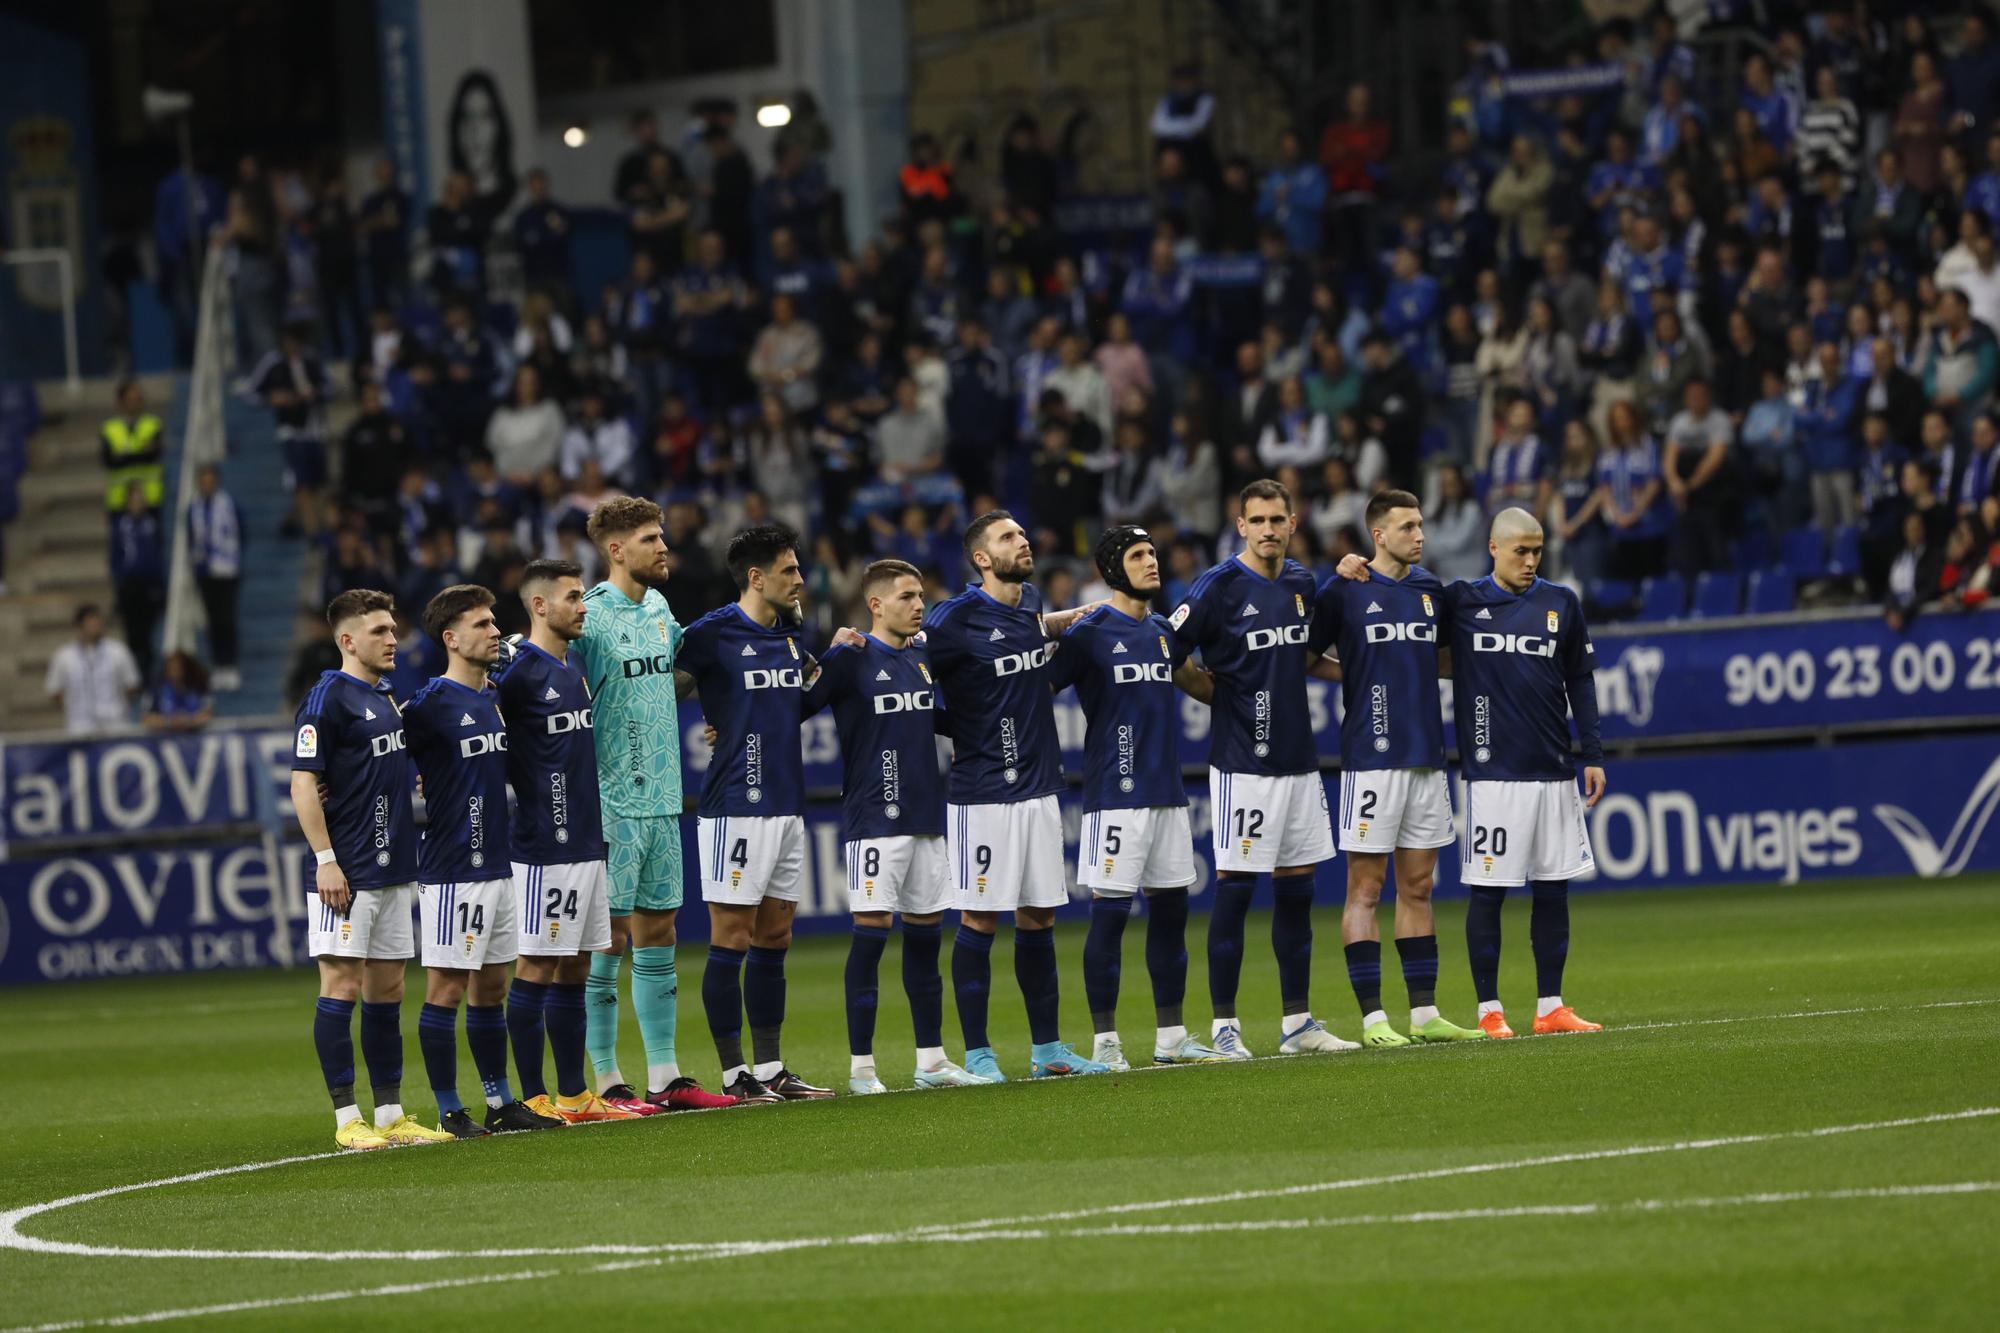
1634,508
1518,470
1191,480
910,440
1297,435
179,699
593,435
1701,480
1455,528
525,433
785,358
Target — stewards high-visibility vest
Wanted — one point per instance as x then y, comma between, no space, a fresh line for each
134,455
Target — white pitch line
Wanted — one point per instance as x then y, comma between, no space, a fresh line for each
12,1238
1964,1187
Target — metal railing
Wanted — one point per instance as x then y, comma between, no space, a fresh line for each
204,441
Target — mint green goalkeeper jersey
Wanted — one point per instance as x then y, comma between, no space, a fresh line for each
628,652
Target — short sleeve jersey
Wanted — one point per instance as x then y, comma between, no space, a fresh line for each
884,703
551,759
992,661
628,651
1386,631
459,745
1251,632
752,681
1123,671
351,733
1512,658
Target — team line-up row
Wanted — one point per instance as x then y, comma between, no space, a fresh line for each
580,719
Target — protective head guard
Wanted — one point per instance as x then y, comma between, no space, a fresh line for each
1110,557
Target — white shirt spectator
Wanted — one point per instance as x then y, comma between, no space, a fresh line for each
1083,388
524,440
95,682
608,440
1299,439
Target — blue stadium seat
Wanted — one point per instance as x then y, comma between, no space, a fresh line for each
1717,594
1753,549
1804,554
1845,559
1771,592
1663,598
1605,598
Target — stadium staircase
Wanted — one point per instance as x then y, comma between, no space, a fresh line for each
58,549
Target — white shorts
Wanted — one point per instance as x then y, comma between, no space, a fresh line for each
467,926
1518,831
563,909
748,858
377,925
1382,809
1260,822
1123,851
1007,856
910,873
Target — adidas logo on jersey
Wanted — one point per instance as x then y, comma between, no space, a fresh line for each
1374,608
996,636
1249,609
881,675
1484,614
749,651
465,720
551,696
1117,650
367,714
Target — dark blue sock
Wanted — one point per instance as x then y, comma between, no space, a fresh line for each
1166,954
1364,973
1482,941
1420,968
1548,933
567,1012
333,1039
921,982
1103,959
437,1038
486,1037
864,980
525,1003
722,998
1225,940
382,1048
1292,940
1035,970
972,983
764,1000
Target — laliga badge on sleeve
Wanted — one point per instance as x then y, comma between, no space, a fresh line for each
308,746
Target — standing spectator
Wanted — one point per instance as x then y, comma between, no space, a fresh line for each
1518,471
1976,468
138,574
215,543
385,222
1122,361
935,302
1672,359
1569,291
1293,196
541,233
657,210
594,436
1972,79
1455,529
644,128
1882,508
732,188
1081,384
1774,474
457,231
909,441
1191,481
180,252
1132,491
1182,201
525,433
1826,438
926,186
1700,477
1633,507
976,406
709,299
1772,109
179,699
1913,574
1066,494
1550,367
1964,361
132,446
1410,308
462,397
1296,436
92,678
1920,123
794,195
293,383
339,274
1027,172
1235,225
1392,405
1340,510
1182,121
781,461
252,238
1830,129
1032,372
1354,151
1156,298
785,358
1575,517
374,451
1008,313
1662,127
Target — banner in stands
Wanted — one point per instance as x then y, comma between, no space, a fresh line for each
1915,808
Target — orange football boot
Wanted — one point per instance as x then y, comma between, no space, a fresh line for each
1564,1020
592,1108
1494,1025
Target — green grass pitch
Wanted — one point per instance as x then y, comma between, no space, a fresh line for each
1723,1156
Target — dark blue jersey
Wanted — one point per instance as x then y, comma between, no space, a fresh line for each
352,735
459,745
884,705
1520,664
1123,670
992,662
1251,632
752,682
1387,634
551,759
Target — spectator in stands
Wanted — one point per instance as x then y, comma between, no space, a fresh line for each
909,441
1247,407
1518,473
138,576
1973,476
215,547
1964,361
925,182
1455,528
1354,152
1339,509
1157,300
179,699
1700,475
1826,428
1913,574
457,231
1567,290
1549,366
781,461
293,383
1182,121
374,450
1182,200
596,436
644,128
1066,493
1672,359
977,410
1296,436
1830,128
785,359
384,222
183,201
339,273
1518,197
1575,507
525,433
1392,405
1633,507
542,235
1774,472
1972,78
1293,196
730,192
92,678
1027,172
132,446
709,300
1920,123
1191,480
1132,491
1080,383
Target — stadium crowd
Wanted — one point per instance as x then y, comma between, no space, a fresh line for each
1690,336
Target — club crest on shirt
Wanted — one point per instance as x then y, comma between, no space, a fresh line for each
1427,605
1298,600
793,644
1552,622
663,631
925,668
1165,651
